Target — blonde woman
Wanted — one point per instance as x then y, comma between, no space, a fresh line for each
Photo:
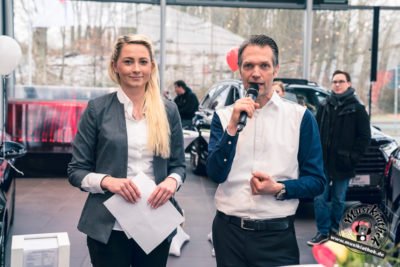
121,134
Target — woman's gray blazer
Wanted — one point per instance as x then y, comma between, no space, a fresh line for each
101,146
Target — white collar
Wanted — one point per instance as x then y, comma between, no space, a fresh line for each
122,97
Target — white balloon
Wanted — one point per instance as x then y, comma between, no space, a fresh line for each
10,54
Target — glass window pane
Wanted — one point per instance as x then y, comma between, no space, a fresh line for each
199,38
69,43
385,91
342,40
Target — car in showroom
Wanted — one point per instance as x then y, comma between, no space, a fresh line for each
8,155
367,186
45,120
391,197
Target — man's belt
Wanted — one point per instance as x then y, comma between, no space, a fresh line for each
275,224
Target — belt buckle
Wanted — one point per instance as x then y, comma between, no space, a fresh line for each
242,222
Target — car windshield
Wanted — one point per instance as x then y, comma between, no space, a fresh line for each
290,96
312,99
216,97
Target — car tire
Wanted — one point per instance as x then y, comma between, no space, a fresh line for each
198,167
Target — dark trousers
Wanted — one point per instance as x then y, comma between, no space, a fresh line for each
123,252
236,247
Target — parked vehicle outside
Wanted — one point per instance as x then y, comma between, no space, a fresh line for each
369,182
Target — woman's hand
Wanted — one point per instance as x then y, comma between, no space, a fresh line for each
121,186
163,192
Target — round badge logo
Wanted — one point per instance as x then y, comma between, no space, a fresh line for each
365,224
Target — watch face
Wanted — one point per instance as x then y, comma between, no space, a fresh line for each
281,194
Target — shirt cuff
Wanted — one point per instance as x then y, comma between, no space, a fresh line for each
177,178
231,135
92,182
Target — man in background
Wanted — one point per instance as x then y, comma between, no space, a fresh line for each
186,101
345,134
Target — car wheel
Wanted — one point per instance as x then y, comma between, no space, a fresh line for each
197,166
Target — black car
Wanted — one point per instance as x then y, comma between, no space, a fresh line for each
8,154
391,199
366,186
221,94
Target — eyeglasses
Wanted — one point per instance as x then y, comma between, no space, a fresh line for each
339,82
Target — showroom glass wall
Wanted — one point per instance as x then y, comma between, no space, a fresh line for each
68,43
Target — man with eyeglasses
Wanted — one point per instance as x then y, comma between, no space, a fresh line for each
345,134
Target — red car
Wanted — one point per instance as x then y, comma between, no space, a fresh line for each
45,120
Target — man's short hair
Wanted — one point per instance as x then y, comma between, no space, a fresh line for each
260,40
348,78
180,83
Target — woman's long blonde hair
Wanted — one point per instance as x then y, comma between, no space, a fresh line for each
154,109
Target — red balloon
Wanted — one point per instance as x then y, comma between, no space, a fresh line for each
232,59
323,255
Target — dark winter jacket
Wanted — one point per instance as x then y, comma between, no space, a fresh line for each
345,133
187,104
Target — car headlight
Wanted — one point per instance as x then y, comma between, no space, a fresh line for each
387,149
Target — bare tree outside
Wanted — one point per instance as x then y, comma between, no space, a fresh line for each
74,49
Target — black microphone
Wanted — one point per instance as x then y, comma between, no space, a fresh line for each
252,92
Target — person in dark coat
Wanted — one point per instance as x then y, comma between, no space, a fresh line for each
186,101
345,135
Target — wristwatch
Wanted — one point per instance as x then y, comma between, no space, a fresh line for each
281,195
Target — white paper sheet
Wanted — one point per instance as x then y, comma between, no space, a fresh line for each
147,226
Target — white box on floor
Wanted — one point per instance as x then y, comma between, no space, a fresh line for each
50,250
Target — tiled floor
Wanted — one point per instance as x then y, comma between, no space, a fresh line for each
45,205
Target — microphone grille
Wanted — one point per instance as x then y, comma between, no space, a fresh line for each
253,89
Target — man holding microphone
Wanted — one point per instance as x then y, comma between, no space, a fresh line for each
262,166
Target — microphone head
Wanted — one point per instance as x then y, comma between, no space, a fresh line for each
253,89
